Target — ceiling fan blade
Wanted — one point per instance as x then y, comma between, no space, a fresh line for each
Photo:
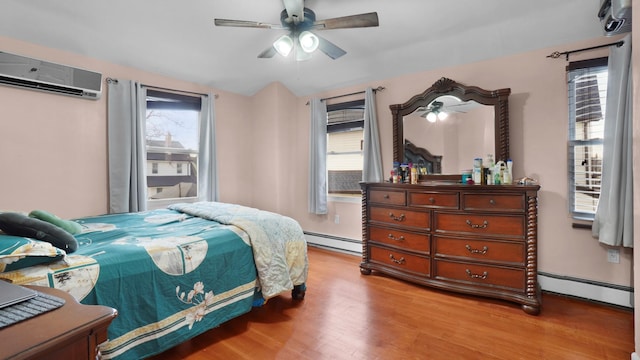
244,23
267,53
352,21
329,48
295,10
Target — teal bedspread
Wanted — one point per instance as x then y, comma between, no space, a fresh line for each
170,275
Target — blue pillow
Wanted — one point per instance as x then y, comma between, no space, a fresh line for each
17,224
20,252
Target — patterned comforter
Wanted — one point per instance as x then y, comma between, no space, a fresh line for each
175,273
278,243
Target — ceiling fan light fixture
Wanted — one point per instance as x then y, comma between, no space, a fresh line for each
442,115
432,117
302,55
308,41
283,45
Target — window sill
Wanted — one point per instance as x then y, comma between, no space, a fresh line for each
344,198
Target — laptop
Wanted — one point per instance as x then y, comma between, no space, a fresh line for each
11,294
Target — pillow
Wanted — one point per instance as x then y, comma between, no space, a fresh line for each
21,225
20,252
69,226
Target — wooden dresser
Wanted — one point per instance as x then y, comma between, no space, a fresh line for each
473,239
71,332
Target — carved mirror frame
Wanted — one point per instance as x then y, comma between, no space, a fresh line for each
499,99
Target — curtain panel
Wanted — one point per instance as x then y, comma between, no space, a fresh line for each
318,190
126,114
208,189
372,156
613,222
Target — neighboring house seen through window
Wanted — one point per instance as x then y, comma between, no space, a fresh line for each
587,84
345,134
172,133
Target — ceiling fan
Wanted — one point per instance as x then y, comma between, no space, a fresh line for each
300,22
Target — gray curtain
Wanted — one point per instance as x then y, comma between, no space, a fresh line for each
207,163
317,194
613,222
126,112
372,166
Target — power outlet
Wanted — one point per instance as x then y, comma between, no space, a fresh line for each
336,219
613,256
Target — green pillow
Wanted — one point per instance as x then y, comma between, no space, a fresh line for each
71,227
21,225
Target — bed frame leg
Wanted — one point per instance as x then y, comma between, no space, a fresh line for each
298,292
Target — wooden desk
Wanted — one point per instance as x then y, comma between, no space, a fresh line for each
70,332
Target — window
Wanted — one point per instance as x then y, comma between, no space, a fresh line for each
172,133
345,136
587,106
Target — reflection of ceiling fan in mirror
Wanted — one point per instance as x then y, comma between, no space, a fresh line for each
440,108
301,22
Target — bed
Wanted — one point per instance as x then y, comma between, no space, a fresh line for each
172,273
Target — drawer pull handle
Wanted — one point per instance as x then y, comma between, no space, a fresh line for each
477,276
432,200
492,202
390,236
386,196
477,251
476,226
396,218
397,261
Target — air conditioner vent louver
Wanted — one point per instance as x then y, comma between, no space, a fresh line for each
23,72
615,16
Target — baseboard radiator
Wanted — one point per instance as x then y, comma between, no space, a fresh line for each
564,285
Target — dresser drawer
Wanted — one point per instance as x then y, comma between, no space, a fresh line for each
494,225
390,197
401,217
485,275
400,260
494,202
512,252
404,239
433,199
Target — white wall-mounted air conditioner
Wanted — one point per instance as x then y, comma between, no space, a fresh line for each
615,16
24,72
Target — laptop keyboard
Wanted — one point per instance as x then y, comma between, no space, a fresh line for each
29,308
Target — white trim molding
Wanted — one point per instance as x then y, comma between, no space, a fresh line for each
587,289
336,243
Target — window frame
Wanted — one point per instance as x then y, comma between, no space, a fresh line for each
574,69
173,100
343,126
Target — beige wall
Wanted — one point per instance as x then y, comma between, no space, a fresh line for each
53,148
538,134
635,63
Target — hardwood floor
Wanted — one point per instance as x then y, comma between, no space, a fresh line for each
346,315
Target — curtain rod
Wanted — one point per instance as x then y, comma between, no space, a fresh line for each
557,54
379,88
215,96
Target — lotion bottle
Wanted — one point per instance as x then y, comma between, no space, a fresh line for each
508,174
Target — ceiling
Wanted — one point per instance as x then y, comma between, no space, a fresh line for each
178,38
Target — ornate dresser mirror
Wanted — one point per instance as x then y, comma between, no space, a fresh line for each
477,124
